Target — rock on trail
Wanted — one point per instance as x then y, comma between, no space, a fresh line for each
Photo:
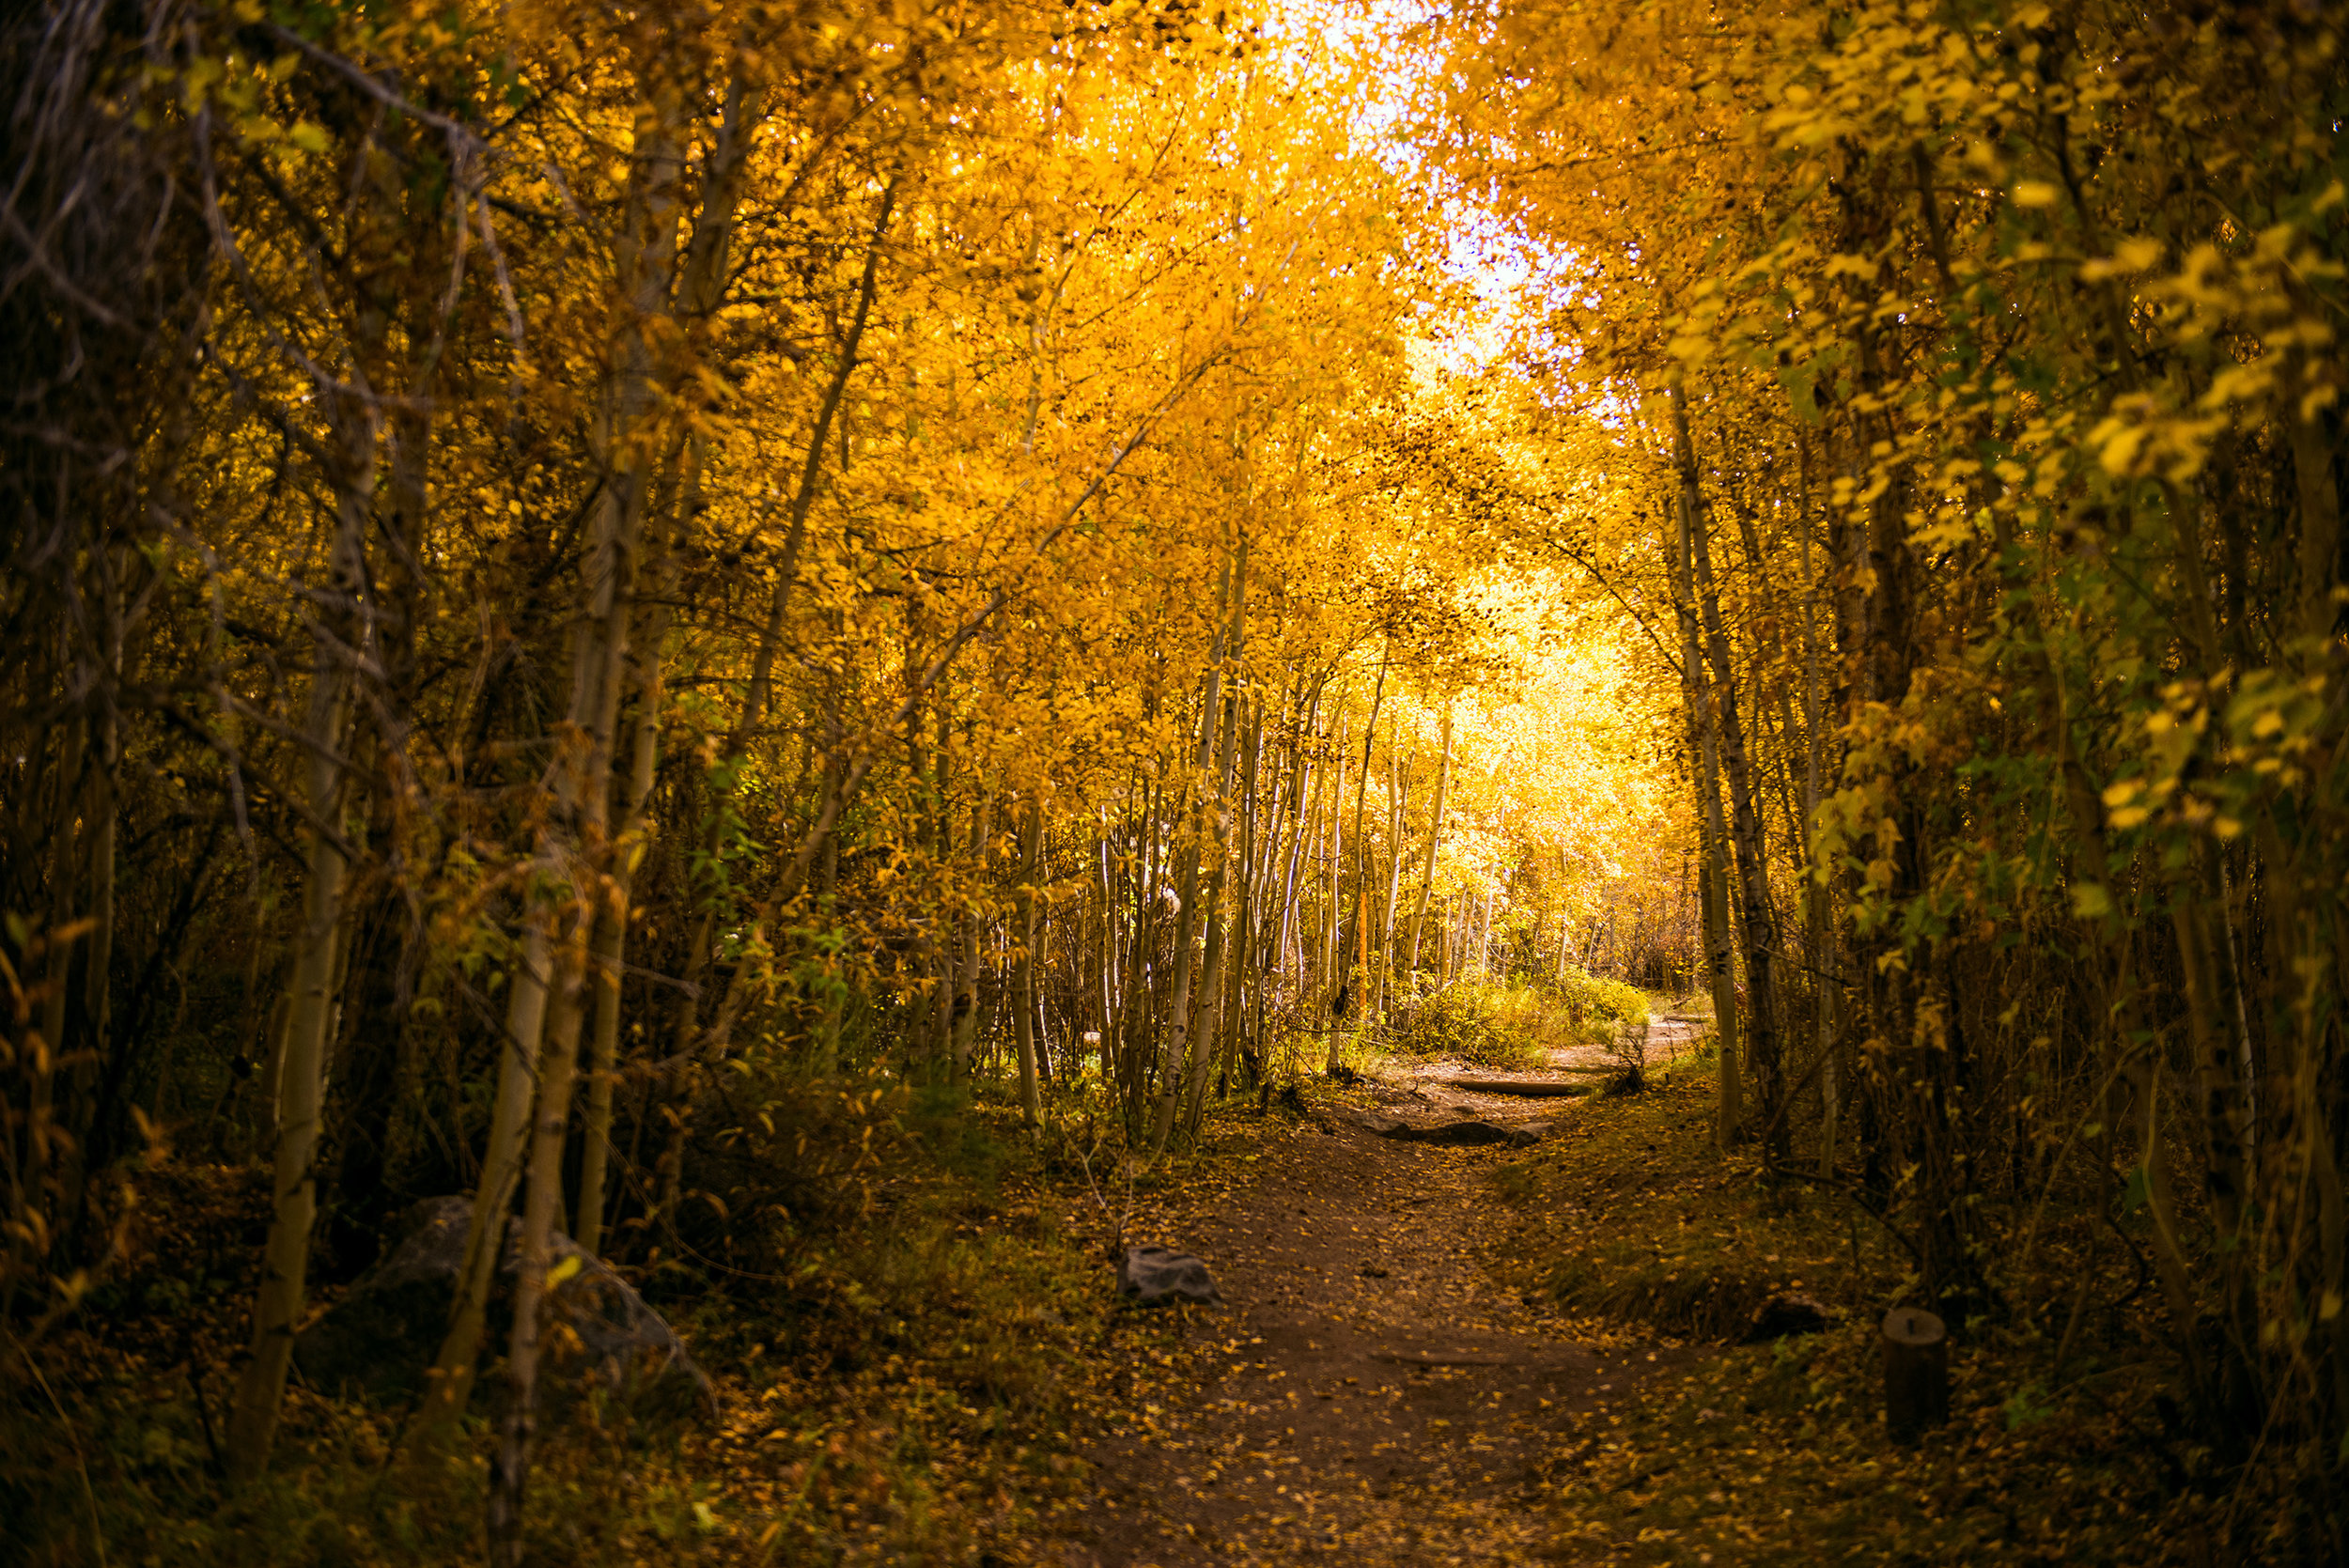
1149,1275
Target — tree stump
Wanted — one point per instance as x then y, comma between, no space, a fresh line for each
1916,1372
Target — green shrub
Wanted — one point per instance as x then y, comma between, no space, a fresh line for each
1506,1024
1591,996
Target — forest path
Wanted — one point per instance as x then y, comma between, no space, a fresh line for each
1368,1391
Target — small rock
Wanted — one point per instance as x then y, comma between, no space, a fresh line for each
1782,1316
1150,1275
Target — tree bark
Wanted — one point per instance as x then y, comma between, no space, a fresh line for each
260,1392
1712,874
1024,992
1209,834
1753,890
1398,782
1220,927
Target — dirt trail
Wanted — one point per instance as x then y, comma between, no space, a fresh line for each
1368,1389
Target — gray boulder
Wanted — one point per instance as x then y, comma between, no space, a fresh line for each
599,1334
1150,1275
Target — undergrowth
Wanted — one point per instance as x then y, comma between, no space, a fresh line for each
1513,1024
1777,1453
900,1345
1636,1217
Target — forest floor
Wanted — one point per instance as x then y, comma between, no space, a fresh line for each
1424,1354
1491,1355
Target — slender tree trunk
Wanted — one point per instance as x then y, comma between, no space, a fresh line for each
1713,874
1753,890
1256,863
277,1313
99,818
1216,730
1818,899
1305,783
942,850
1335,841
1220,928
1024,992
1398,781
1435,838
1174,1049
1110,941
579,848
967,981
611,936
1364,1003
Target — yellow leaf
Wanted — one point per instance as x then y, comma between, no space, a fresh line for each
2036,192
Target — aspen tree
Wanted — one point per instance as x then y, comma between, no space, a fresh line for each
1761,1019
1398,769
1712,871
1434,837
1024,987
260,1392
700,286
1217,730
1304,782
